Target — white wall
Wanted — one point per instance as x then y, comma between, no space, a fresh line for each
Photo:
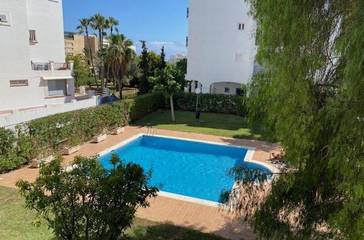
11,120
14,43
46,18
217,50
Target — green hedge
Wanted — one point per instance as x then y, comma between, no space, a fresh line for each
144,104
216,103
11,151
45,136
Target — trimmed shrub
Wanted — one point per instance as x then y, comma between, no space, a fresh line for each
45,136
144,104
216,103
10,156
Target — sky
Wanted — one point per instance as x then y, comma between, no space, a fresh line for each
159,22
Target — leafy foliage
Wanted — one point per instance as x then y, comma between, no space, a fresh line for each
81,70
149,62
162,59
45,136
165,82
10,153
311,95
181,71
119,60
89,201
214,103
144,104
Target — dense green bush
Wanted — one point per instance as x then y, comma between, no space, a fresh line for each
89,201
10,151
144,104
216,103
71,128
44,136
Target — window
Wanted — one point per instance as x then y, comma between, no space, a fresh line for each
241,26
227,90
188,12
57,88
32,36
4,19
186,41
19,83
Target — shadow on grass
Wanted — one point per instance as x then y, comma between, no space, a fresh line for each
169,232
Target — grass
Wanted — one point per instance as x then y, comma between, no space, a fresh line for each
225,125
18,223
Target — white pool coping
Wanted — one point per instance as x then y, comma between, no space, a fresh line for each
248,158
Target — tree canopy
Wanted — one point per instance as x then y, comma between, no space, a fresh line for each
88,201
311,95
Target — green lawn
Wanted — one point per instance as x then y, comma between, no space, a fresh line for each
18,223
210,123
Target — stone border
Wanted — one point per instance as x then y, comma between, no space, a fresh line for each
248,158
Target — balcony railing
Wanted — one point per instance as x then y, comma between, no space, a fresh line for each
50,66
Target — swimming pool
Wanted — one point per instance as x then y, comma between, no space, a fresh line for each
189,168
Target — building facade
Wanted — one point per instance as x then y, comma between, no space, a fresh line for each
221,45
76,43
33,71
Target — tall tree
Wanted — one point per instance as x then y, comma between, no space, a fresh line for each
84,28
98,23
144,66
312,90
119,57
81,70
165,82
181,67
162,63
111,23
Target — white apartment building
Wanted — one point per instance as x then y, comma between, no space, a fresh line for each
221,45
33,71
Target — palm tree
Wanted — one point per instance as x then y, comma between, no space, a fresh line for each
83,28
119,59
98,23
111,23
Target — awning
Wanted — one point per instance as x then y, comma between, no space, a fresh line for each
57,78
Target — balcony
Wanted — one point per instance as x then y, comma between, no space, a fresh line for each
50,66
52,70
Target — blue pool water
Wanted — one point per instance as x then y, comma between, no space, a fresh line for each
188,168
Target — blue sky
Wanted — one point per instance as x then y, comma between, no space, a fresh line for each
159,22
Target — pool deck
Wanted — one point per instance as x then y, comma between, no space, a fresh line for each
164,209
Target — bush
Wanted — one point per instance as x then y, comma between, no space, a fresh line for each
45,136
144,104
10,156
48,134
215,103
88,202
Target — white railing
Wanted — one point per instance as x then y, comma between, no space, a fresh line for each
17,117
